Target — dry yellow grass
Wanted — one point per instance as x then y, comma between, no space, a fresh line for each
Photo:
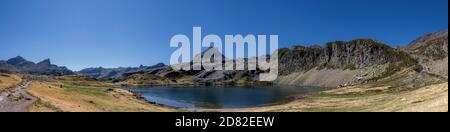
87,99
433,98
8,81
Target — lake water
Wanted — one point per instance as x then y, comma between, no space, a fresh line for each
220,97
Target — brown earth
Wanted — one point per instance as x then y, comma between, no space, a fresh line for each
433,98
16,99
8,81
87,99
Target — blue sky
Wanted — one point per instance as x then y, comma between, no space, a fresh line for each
112,33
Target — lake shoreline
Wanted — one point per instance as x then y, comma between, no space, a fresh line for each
205,105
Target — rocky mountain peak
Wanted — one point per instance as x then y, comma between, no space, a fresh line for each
16,60
211,52
45,62
430,46
423,40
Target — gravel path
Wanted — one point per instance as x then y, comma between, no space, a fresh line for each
16,99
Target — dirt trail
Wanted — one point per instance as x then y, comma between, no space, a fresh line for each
16,99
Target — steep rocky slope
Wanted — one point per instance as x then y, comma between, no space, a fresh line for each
168,76
431,51
351,55
363,60
340,63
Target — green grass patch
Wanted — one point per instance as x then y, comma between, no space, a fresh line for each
43,104
85,90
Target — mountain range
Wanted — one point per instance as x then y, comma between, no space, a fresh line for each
101,73
339,63
20,65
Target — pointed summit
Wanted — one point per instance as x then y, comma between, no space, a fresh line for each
45,62
18,57
211,51
16,60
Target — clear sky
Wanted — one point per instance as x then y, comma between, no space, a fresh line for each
111,33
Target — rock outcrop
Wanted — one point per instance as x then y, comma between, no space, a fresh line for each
351,55
340,63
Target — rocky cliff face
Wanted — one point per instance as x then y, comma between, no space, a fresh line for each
20,65
350,55
340,63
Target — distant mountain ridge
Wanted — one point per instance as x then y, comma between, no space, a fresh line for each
101,73
20,65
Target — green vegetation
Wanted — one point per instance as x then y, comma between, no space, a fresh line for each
390,70
85,90
282,52
42,104
76,80
298,47
347,66
400,58
404,80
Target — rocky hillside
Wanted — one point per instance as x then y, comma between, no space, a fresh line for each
115,73
360,61
340,63
168,76
351,55
431,51
20,65
427,39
